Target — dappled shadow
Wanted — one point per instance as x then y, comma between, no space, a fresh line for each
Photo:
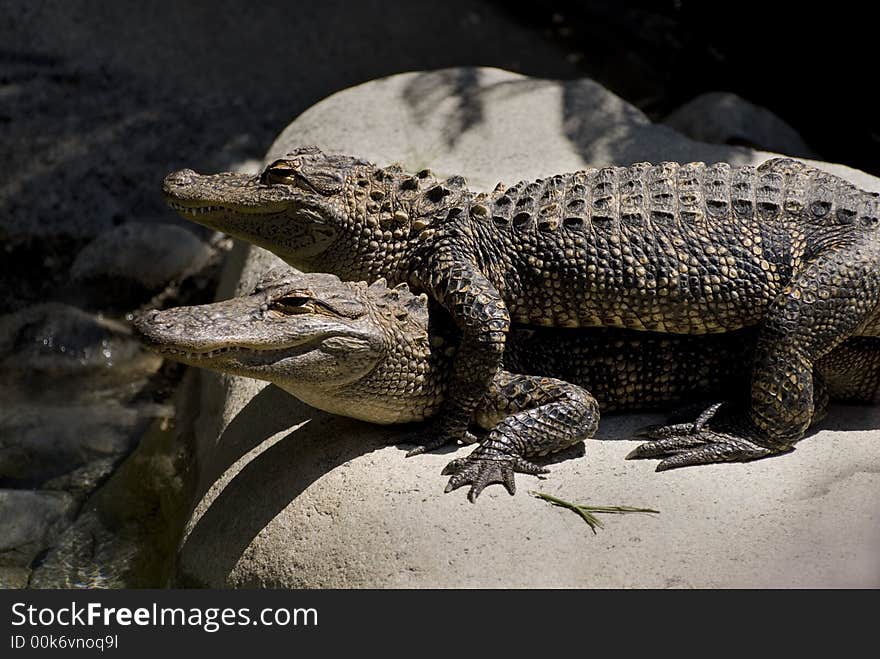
91,147
601,127
426,90
605,129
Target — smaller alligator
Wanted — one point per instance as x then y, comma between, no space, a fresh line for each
370,352
675,248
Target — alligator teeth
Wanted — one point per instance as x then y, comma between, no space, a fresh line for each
190,210
200,355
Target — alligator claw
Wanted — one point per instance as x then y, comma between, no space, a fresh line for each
678,429
485,466
688,444
424,448
437,438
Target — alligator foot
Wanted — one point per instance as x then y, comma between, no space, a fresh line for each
487,465
687,444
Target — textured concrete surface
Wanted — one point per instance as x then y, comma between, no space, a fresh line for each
292,497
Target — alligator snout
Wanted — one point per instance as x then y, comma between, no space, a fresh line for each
143,321
178,179
146,316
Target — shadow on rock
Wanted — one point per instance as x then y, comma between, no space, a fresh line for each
842,417
603,128
426,90
281,448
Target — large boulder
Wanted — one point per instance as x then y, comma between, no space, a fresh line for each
725,118
292,497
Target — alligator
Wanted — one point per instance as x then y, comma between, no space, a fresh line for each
674,248
371,352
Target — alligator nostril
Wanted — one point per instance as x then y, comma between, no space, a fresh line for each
140,318
180,177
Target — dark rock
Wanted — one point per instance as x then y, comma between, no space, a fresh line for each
725,118
30,521
151,255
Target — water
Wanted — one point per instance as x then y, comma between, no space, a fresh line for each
77,394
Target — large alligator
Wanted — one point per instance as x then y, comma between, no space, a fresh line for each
683,249
370,352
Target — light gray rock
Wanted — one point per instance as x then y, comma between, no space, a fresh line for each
29,521
292,497
153,255
491,125
725,118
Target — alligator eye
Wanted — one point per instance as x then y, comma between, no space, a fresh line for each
292,304
278,172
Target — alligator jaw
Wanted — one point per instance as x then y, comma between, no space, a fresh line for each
193,355
197,209
195,195
214,356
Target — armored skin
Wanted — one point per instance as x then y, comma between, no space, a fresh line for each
680,249
370,352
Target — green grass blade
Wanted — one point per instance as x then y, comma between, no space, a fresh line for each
587,512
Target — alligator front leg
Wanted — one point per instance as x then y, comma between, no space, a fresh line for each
480,313
528,416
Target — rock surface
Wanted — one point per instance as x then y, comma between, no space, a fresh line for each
70,383
292,497
127,532
150,255
30,523
39,443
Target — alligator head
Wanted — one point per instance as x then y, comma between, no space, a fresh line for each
318,211
330,343
294,207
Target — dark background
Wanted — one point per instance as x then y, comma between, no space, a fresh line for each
135,89
814,64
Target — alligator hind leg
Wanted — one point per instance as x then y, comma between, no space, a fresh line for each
527,416
817,312
715,437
